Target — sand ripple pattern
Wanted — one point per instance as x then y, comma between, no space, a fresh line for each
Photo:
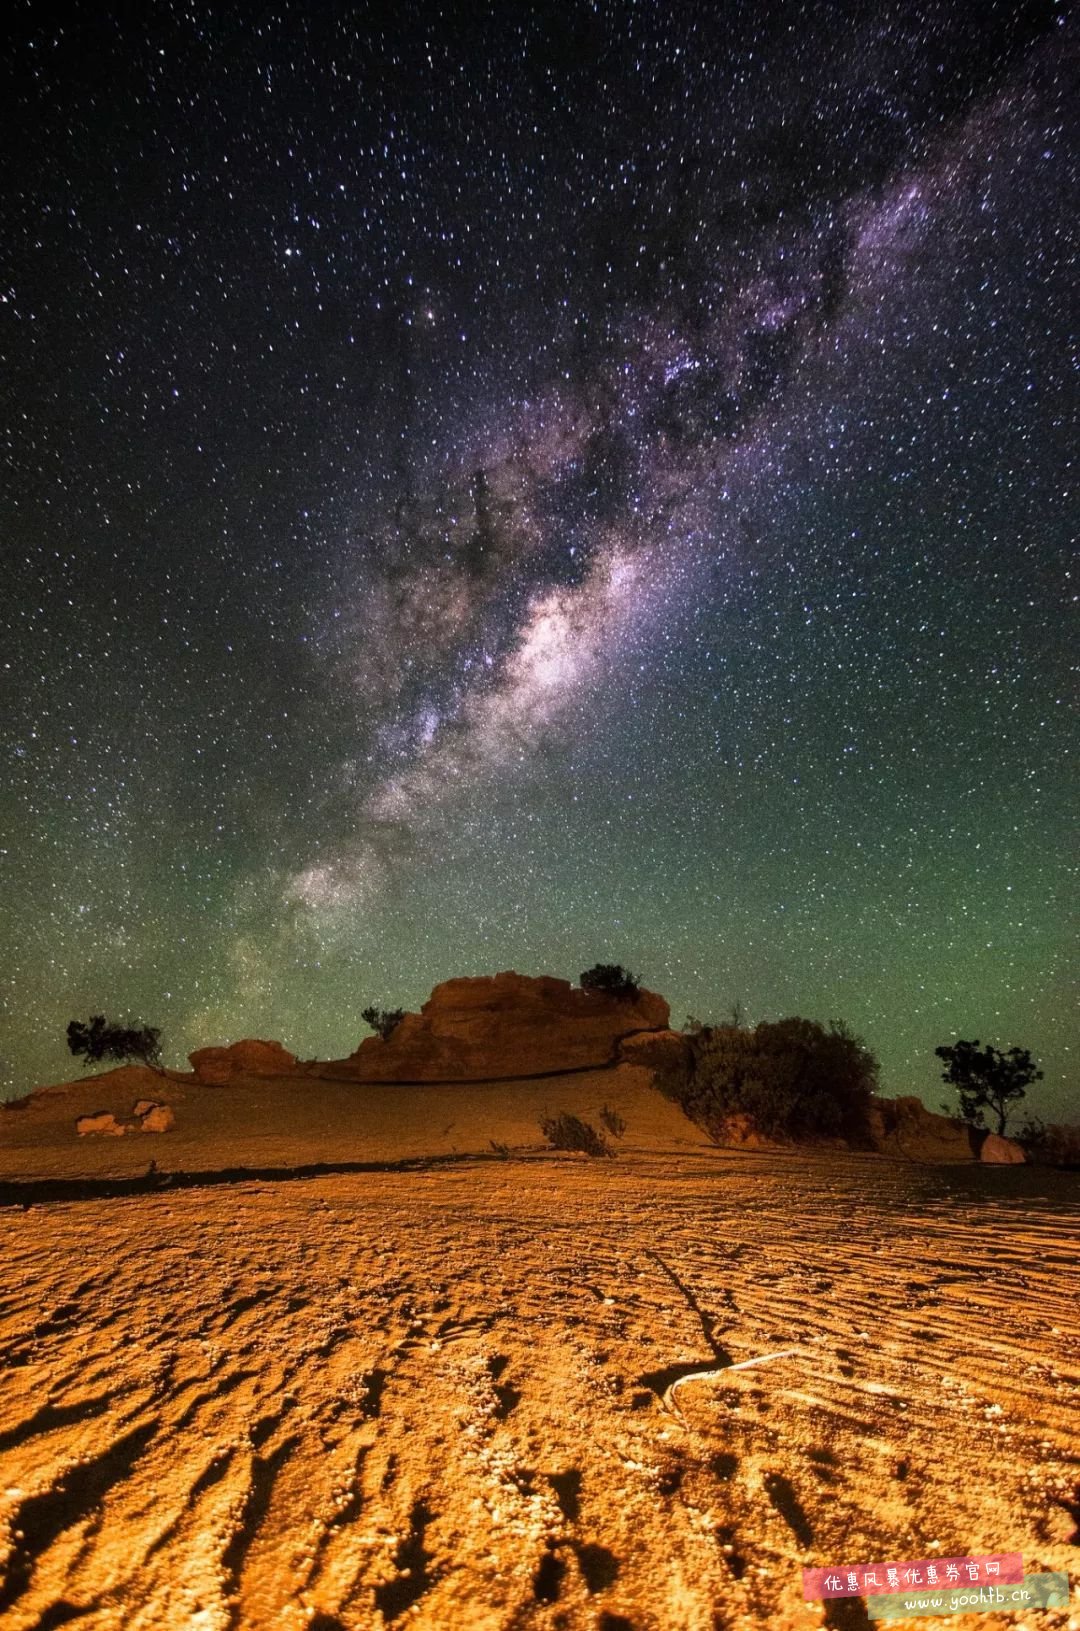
445,1400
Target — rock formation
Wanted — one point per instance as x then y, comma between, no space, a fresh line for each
1001,1152
102,1121
503,1025
906,1127
153,1117
656,1050
217,1067
899,1127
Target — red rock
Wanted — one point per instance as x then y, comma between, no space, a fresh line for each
905,1127
656,1050
503,1025
217,1067
154,1118
1000,1152
102,1121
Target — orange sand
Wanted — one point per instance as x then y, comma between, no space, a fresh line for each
436,1398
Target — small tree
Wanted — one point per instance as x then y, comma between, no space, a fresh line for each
98,1040
986,1079
383,1020
612,978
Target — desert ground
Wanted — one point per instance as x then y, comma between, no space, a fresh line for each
339,1363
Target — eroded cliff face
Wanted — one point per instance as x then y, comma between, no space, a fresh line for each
504,1025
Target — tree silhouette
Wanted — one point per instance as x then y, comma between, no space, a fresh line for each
382,1020
985,1079
99,1040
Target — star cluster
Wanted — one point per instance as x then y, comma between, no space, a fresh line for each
526,486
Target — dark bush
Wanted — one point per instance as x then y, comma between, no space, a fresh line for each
612,978
99,1040
1049,1146
382,1020
793,1079
566,1132
612,1121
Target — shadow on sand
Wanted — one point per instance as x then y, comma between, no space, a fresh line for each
42,1191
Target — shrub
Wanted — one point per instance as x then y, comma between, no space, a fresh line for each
1032,1133
794,1079
382,1020
611,978
1049,1146
566,1132
99,1040
673,1078
611,1119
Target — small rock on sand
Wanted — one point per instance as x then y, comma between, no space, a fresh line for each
102,1121
157,1119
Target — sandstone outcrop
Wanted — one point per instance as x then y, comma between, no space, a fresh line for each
1001,1152
656,1050
217,1067
503,1025
154,1117
101,1122
906,1127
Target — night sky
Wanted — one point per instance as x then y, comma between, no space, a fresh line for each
503,487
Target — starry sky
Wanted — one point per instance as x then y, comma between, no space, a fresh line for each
512,486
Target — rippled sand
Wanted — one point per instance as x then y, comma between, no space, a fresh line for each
443,1399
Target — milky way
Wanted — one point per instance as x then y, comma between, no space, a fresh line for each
522,491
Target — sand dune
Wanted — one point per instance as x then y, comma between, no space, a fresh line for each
290,1121
443,1398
